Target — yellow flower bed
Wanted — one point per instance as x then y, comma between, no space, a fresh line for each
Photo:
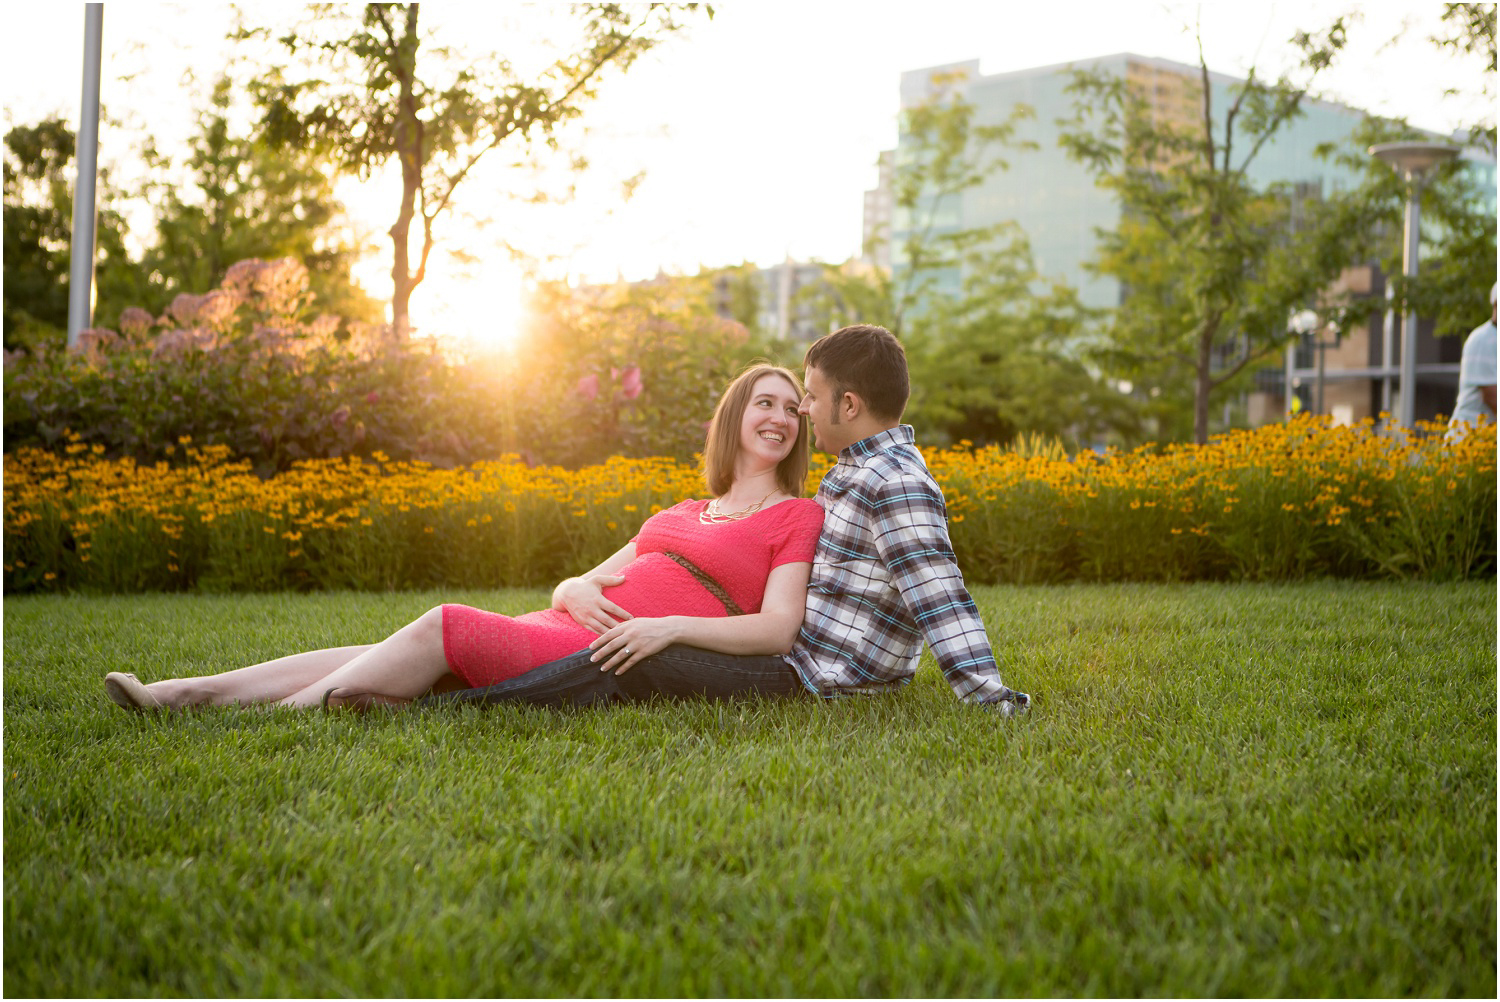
1284,501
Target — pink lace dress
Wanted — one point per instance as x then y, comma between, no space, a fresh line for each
485,647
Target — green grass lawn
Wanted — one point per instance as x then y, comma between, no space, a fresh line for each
1222,790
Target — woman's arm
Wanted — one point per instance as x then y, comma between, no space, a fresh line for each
583,597
770,631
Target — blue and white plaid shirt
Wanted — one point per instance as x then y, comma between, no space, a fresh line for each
884,579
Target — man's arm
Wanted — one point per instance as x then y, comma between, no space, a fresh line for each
911,535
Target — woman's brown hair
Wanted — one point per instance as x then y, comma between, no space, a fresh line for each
723,445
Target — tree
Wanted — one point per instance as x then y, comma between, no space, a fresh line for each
247,200
1212,266
946,153
1471,31
379,92
38,208
1459,265
1458,231
995,348
1010,354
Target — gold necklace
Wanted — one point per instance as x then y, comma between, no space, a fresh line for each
711,515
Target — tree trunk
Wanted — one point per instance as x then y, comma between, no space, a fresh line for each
409,141
1203,384
401,278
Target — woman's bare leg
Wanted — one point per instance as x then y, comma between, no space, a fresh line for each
407,663
266,682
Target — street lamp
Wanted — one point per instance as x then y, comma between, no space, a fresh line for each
1304,323
1413,161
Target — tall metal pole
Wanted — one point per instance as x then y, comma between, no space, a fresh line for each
1409,316
1387,348
81,278
1412,161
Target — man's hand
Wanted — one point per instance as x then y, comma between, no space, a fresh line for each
622,646
583,599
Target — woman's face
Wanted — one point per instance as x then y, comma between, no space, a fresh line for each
769,426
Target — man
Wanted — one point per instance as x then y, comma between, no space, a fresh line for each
884,578
1476,377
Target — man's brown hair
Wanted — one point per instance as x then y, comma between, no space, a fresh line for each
867,361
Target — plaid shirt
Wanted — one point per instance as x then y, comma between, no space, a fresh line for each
884,579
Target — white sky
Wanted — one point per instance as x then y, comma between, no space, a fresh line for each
758,130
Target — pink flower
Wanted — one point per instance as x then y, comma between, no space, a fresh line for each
588,386
135,321
630,382
185,307
371,397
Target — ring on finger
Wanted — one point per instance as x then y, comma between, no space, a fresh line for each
627,652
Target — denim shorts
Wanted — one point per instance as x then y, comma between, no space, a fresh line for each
677,672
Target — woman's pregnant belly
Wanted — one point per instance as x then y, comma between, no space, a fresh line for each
656,585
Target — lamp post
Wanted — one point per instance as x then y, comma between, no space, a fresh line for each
1302,323
1413,161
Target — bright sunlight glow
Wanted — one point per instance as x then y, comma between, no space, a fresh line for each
476,300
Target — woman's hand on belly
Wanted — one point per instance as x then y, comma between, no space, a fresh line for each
623,645
583,599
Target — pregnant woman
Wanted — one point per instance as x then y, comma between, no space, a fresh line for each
727,574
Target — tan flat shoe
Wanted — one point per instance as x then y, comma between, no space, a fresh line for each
339,698
130,692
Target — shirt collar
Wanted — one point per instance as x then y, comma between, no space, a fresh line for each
902,434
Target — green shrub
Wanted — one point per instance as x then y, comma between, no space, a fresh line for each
249,366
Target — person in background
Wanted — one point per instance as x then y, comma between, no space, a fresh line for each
1476,378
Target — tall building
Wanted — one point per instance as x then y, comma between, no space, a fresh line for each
773,293
1055,199
1061,209
880,204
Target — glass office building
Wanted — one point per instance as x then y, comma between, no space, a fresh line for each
1057,203
1055,199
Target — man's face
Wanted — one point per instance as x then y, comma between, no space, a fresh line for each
822,412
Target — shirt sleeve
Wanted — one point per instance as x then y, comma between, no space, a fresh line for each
910,527
1478,361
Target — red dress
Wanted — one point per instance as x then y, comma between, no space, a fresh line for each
485,647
